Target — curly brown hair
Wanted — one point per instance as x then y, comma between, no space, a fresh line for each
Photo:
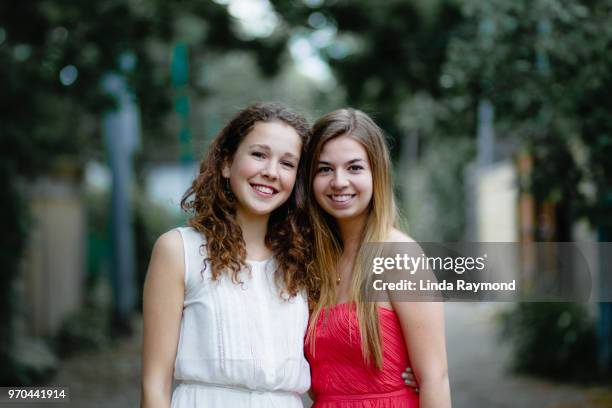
213,207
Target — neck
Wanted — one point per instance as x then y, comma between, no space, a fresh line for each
350,232
254,229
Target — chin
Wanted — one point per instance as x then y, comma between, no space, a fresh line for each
345,214
263,210
340,215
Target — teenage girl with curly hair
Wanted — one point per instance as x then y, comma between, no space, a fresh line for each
224,305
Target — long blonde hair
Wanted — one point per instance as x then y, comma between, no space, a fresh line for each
327,244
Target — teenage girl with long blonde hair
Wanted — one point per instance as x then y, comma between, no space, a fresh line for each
357,349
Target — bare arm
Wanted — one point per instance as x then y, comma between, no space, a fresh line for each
163,297
423,328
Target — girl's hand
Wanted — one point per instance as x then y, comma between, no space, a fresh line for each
410,379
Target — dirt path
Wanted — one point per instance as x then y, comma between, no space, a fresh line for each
478,374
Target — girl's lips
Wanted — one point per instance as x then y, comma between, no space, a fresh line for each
341,200
263,190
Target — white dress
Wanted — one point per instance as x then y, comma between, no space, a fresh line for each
240,345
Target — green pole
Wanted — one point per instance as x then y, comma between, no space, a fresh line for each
179,74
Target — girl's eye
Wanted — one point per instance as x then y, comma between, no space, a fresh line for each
355,167
259,155
324,170
288,164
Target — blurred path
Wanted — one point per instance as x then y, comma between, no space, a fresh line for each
478,362
102,379
111,378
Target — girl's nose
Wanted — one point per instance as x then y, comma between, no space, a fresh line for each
270,171
339,180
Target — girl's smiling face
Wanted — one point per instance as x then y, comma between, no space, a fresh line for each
263,170
343,184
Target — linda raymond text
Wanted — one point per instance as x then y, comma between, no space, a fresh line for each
444,285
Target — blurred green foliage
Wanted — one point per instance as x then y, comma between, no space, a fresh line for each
86,329
46,113
434,200
384,52
556,340
15,220
544,64
53,55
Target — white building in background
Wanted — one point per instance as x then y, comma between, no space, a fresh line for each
52,285
496,197
165,184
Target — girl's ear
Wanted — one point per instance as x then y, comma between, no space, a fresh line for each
225,169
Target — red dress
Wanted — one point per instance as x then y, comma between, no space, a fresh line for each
341,379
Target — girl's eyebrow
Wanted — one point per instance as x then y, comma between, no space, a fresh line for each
261,146
322,162
290,155
267,148
355,161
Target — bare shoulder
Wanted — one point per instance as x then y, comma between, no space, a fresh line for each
397,235
167,256
169,243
